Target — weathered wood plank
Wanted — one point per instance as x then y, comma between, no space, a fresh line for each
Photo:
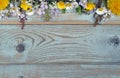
60,71
59,43
116,22
70,18
49,22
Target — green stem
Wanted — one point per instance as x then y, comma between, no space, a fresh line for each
105,3
47,16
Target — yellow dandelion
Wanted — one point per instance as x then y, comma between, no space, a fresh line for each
61,5
23,1
90,6
25,6
3,4
114,6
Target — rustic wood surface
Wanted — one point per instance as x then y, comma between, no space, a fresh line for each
68,46
69,18
60,71
59,43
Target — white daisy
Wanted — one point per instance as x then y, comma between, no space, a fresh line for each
101,11
30,12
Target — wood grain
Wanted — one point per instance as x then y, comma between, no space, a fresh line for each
60,44
62,19
49,22
67,46
60,71
116,22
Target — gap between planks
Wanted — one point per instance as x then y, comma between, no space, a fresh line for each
66,63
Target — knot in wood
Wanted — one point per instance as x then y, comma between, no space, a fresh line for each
20,48
114,41
20,77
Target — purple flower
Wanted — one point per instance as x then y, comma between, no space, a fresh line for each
44,5
83,3
41,11
54,11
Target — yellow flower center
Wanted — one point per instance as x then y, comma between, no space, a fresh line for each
90,6
61,5
14,8
68,5
100,9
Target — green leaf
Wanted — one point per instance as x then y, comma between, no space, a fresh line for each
89,0
78,10
63,11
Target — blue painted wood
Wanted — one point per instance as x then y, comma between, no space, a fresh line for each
60,51
60,43
68,18
60,71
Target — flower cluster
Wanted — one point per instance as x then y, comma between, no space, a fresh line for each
101,9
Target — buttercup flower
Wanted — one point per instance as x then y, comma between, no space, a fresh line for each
90,6
3,4
114,6
61,5
25,6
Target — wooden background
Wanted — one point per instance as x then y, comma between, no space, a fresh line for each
60,49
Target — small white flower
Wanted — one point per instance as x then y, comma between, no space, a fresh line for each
101,11
75,4
40,11
107,15
14,11
69,5
30,12
11,5
22,15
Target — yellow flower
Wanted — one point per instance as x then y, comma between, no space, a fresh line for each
61,5
23,1
114,6
90,6
3,4
25,6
